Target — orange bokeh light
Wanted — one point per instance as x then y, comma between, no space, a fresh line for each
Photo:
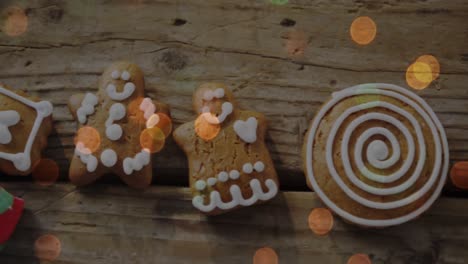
359,259
265,255
152,139
459,175
165,124
205,129
45,172
363,30
47,247
16,23
89,138
320,221
422,72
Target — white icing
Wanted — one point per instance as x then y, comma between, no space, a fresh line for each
128,90
152,121
115,74
116,112
226,110
22,160
211,181
377,153
109,158
87,107
247,130
7,119
234,174
209,94
137,163
200,185
86,157
125,76
223,176
147,107
237,198
259,166
247,168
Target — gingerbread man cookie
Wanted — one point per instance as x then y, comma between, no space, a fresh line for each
376,154
25,124
118,128
230,166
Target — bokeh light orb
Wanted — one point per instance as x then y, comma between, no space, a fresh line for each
87,140
45,172
359,259
265,255
320,221
16,22
204,129
47,247
152,139
422,72
363,30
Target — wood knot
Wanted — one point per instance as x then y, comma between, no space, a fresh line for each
55,14
179,22
286,22
174,60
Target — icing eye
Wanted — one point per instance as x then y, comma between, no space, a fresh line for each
200,185
212,181
125,76
115,75
247,168
234,174
219,93
208,95
223,176
259,166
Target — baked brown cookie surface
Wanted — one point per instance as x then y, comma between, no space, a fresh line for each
376,155
230,166
25,124
119,128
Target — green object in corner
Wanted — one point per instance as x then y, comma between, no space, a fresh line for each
6,200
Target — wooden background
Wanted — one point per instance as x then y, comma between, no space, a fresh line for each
282,60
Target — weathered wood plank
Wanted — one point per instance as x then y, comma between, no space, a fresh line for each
112,224
242,43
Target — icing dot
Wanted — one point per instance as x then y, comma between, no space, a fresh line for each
378,149
223,176
125,76
115,75
259,166
117,111
200,185
45,108
212,181
114,132
234,174
247,168
22,162
108,158
208,95
219,93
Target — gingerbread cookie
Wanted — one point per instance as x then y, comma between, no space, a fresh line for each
25,124
376,155
230,166
118,128
11,209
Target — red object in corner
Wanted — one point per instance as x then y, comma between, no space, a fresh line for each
9,219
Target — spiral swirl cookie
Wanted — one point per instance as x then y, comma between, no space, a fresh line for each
376,154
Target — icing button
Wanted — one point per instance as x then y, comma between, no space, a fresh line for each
108,158
223,176
259,166
200,185
125,76
208,95
212,181
22,162
115,75
247,168
45,108
114,132
219,93
234,174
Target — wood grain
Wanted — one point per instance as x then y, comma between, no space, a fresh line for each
180,44
113,224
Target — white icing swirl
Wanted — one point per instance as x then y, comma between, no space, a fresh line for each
377,152
87,107
7,119
86,157
137,163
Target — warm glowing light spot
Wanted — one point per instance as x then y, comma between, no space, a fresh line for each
152,121
320,221
45,172
459,175
363,30
165,124
87,140
296,43
414,82
432,62
422,72
152,139
16,22
205,129
134,110
265,255
47,247
359,259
